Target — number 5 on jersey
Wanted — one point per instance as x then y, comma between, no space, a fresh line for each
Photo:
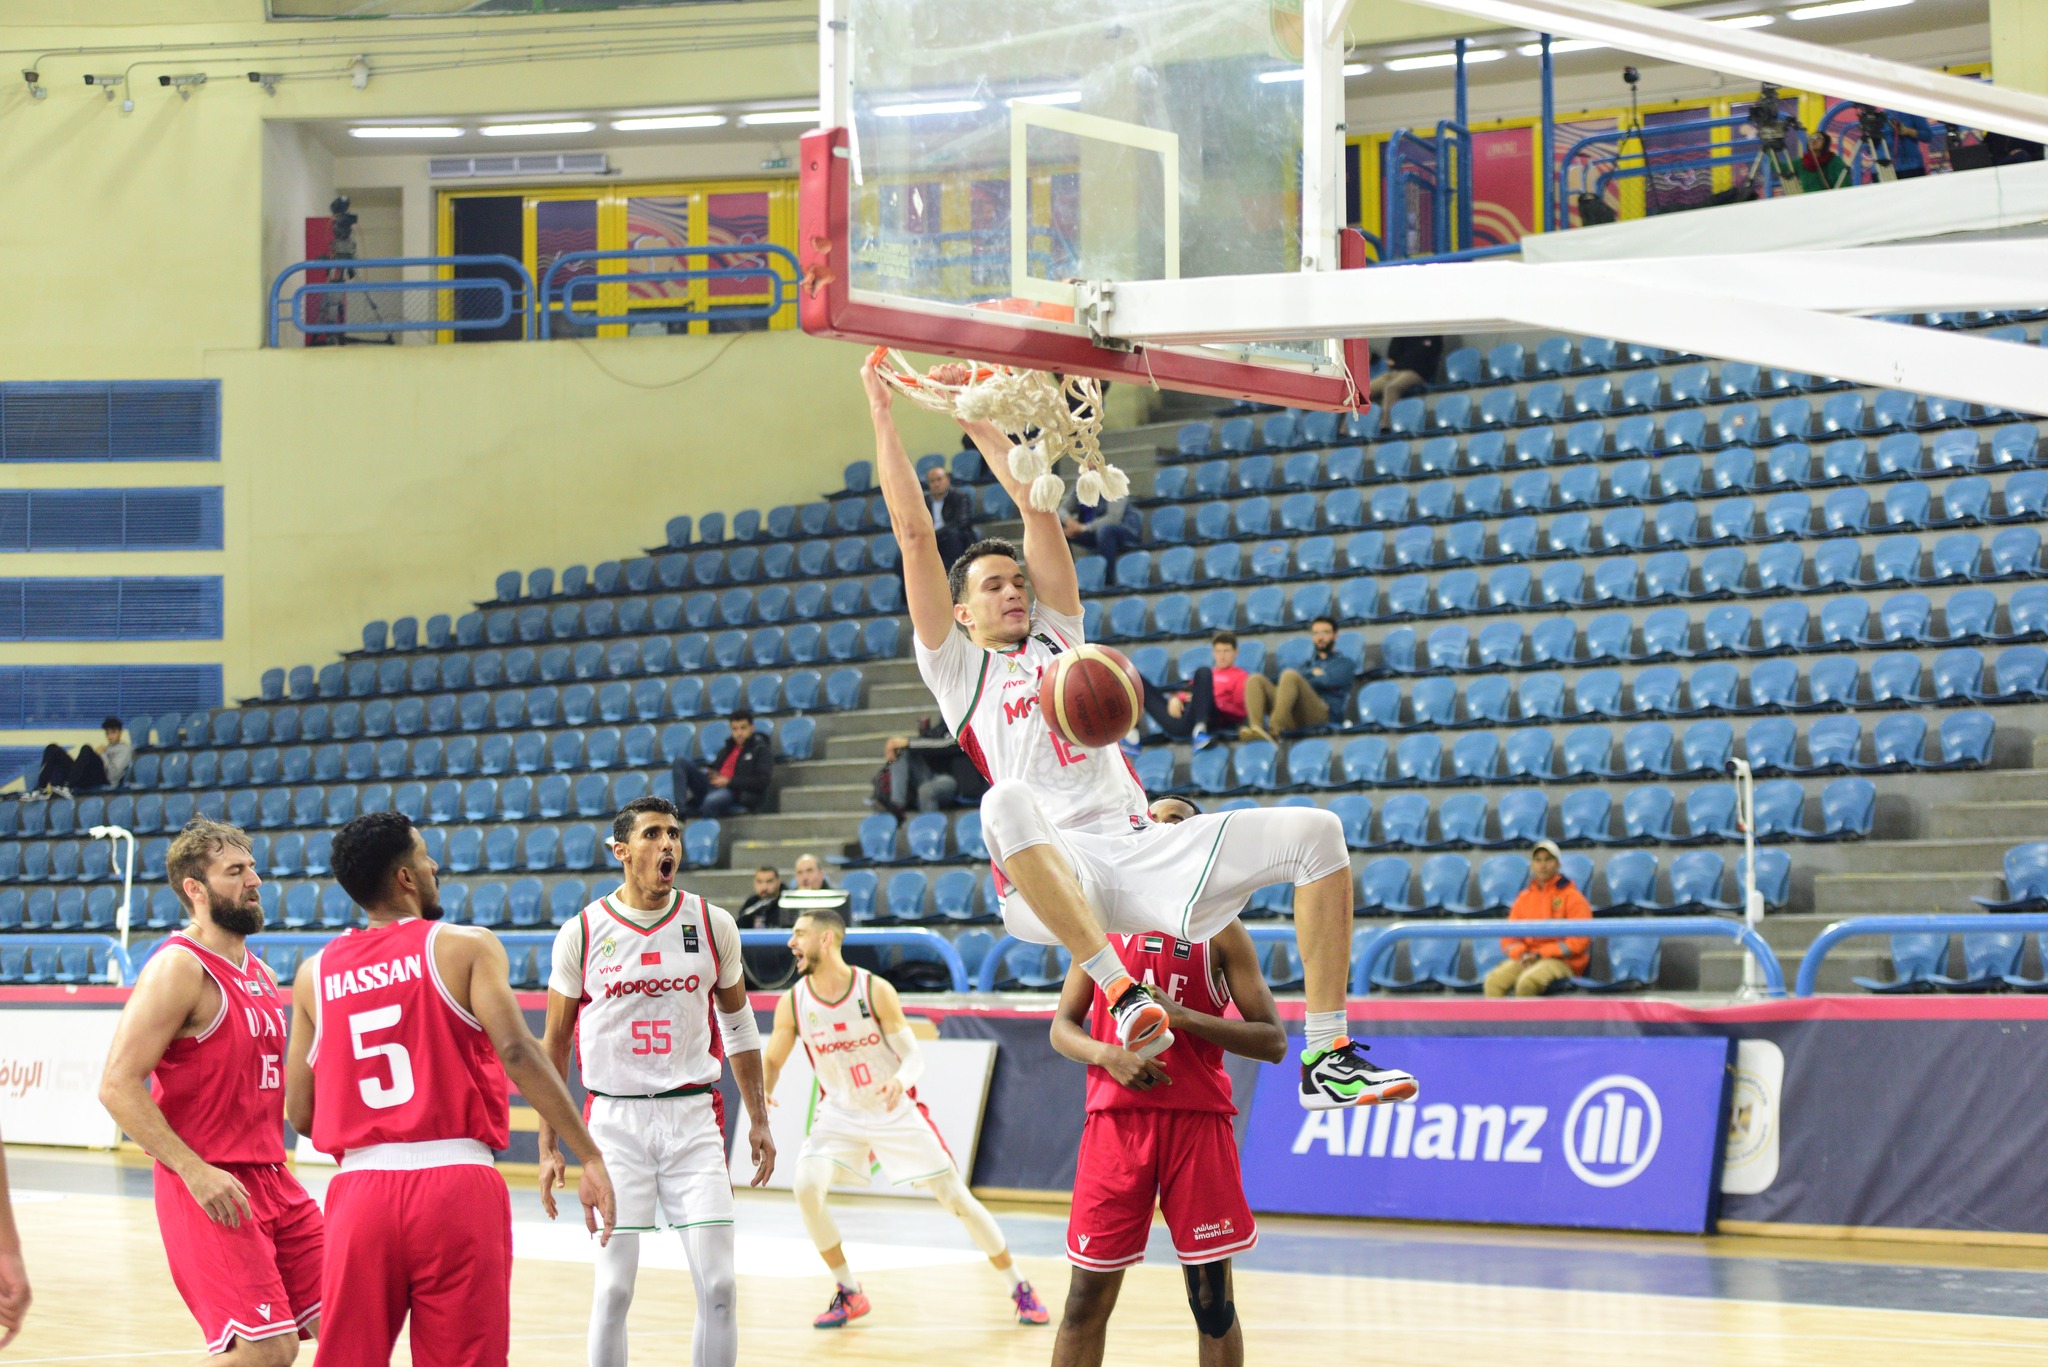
650,1037
377,1095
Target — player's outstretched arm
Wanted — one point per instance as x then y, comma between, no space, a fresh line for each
1070,1038
924,573
166,995
1259,1034
298,1068
1046,552
14,1294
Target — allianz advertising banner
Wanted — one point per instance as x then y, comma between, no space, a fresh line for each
1538,1130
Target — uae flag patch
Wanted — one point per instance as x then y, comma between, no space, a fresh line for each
1155,944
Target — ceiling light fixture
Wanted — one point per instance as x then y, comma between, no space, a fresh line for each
1843,7
775,116
651,125
927,107
1430,59
1054,97
1295,73
1747,21
536,130
412,130
1558,45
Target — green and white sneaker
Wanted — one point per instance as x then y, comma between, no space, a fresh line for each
1342,1075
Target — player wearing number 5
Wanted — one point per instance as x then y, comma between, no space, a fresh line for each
196,1077
648,985
403,1036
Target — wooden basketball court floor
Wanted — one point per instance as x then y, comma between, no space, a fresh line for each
1313,1292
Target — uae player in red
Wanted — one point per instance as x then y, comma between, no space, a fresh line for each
403,1036
1160,1128
196,1077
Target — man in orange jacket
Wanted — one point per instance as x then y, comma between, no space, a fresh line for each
1534,966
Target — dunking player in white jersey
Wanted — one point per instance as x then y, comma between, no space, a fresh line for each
639,978
867,1065
1074,852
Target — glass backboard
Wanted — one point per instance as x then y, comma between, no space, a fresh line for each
978,161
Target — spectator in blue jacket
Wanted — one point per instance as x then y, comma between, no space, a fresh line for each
1310,696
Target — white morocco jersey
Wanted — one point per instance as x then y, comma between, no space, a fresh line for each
846,1048
646,1026
990,700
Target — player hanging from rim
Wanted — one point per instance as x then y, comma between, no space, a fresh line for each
1073,850
1161,1128
405,1033
639,978
196,1077
867,1064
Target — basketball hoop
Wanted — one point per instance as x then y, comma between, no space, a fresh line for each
1061,414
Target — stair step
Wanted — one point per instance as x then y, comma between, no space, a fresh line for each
1863,894
2014,821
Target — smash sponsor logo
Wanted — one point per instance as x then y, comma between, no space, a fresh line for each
1214,1229
840,1046
370,977
652,987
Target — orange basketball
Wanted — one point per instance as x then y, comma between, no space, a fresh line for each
1091,696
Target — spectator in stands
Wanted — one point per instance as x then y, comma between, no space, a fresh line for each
736,781
908,778
809,873
1305,697
1411,361
1213,699
1107,528
763,908
1534,966
1819,166
61,775
952,513
1912,135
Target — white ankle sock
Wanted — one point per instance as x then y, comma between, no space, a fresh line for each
843,1274
1323,1027
1104,967
1015,1277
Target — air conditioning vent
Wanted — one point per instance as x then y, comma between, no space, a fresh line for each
527,164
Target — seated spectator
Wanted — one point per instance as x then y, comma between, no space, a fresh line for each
1819,167
809,874
737,781
1303,697
1213,699
908,778
1534,966
1411,362
952,513
1107,528
61,775
763,908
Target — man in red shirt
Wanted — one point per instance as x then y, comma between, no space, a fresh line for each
196,1077
1160,1129
1534,966
404,1033
1214,697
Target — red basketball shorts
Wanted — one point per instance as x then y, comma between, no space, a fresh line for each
257,1280
433,1243
1186,1160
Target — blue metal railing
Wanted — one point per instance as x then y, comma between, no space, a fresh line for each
1560,201
511,303
574,271
1967,924
1454,189
921,944
106,952
1664,927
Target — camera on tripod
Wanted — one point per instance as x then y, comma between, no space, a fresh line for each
1767,115
1631,75
342,242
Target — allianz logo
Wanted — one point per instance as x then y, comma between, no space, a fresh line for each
1609,1135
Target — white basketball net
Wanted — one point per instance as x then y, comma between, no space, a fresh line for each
1064,413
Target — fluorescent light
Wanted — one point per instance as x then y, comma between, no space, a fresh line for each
1747,21
1842,7
1051,97
766,116
1558,45
916,111
669,121
1430,59
535,130
1295,73
404,130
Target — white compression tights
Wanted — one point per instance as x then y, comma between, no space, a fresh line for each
716,1340
814,1180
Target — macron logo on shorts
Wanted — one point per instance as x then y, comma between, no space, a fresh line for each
1083,1241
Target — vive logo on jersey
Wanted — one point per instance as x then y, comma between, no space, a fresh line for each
1611,1131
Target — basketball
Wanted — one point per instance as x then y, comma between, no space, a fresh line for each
1091,696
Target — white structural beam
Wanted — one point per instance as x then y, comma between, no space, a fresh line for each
1684,305
1766,57
1925,278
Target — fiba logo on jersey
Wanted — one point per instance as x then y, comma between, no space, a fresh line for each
1611,1131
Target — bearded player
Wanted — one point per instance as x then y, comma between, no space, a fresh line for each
648,986
196,1077
1073,850
404,1035
867,1065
